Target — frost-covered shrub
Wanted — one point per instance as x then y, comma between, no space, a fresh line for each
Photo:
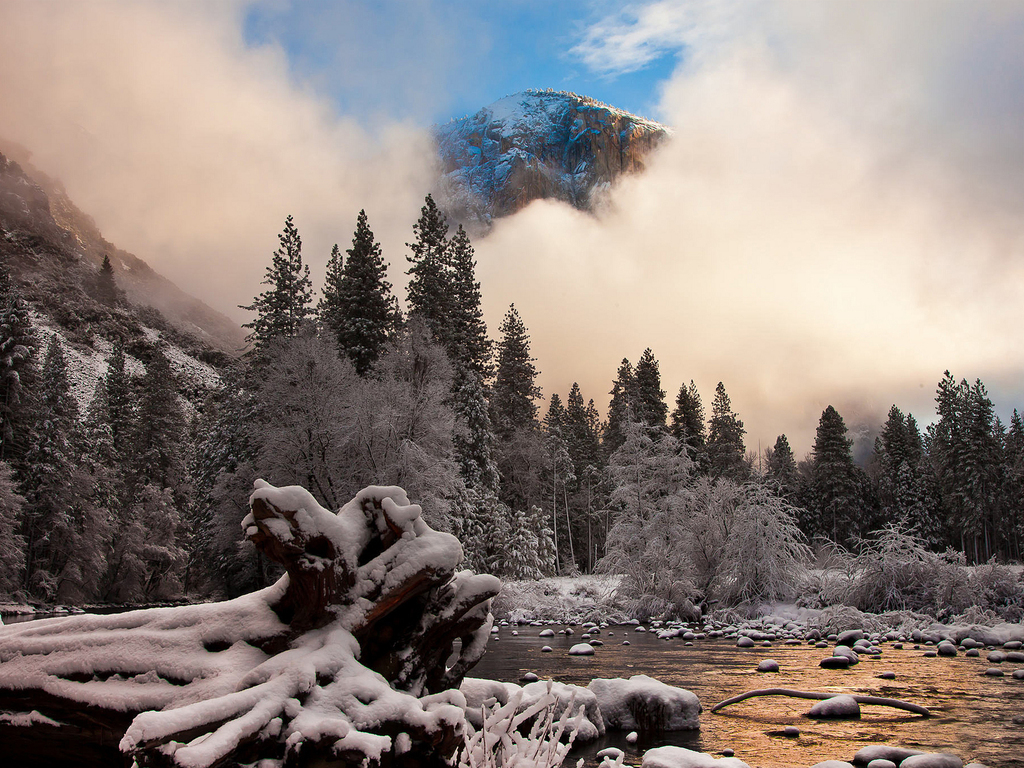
499,743
894,571
999,589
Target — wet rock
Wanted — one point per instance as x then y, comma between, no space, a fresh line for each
849,637
972,653
768,665
790,731
1012,645
849,653
546,649
529,677
680,757
994,672
884,752
582,649
946,649
881,763
547,633
835,662
887,675
1018,674
626,642
744,642
930,654
997,657
843,705
933,760
832,764
1016,657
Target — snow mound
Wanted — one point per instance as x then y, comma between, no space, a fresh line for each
645,704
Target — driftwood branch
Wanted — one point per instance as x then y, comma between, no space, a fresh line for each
286,673
880,701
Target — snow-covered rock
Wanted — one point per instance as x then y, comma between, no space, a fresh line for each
680,757
645,704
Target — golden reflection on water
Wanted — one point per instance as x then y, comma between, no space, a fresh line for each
978,718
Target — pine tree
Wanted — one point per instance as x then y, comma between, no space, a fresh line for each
473,438
106,285
287,303
117,401
725,439
834,496
429,293
357,305
1013,472
687,424
157,443
782,468
52,495
12,545
513,396
622,408
470,346
19,373
651,408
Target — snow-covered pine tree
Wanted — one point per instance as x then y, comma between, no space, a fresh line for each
19,373
725,439
429,293
53,494
157,444
1013,474
687,424
357,305
471,348
473,438
282,309
651,408
833,496
513,396
782,469
12,545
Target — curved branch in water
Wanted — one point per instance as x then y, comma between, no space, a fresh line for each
880,701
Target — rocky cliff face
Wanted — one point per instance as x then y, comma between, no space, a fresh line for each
538,144
54,251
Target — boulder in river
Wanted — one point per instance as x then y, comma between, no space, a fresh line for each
933,760
842,706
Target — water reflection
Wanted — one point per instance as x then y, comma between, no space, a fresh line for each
979,718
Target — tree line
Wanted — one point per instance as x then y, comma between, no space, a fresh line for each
139,499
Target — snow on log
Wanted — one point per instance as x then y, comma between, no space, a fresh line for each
341,662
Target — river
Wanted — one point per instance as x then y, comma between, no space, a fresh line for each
978,718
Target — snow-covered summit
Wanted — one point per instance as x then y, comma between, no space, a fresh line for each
538,144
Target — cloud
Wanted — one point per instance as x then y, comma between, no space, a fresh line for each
190,146
831,223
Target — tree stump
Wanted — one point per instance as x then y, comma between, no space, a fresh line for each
343,662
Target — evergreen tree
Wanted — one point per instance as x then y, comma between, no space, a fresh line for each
106,285
52,494
833,499
357,305
12,545
1013,473
283,308
687,424
429,293
782,468
473,438
513,397
899,452
651,408
470,347
622,408
725,439
157,443
582,430
117,401
19,374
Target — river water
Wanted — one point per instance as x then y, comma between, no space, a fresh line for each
978,718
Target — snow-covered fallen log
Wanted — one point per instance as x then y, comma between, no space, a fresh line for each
342,660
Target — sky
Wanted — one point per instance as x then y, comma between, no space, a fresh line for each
838,218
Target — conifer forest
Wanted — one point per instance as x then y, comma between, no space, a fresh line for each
139,499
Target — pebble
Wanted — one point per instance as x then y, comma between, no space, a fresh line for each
546,649
625,642
972,653
631,737
530,677
547,633
887,675
790,731
994,672
744,642
898,646
930,654
728,752
1016,657
768,665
